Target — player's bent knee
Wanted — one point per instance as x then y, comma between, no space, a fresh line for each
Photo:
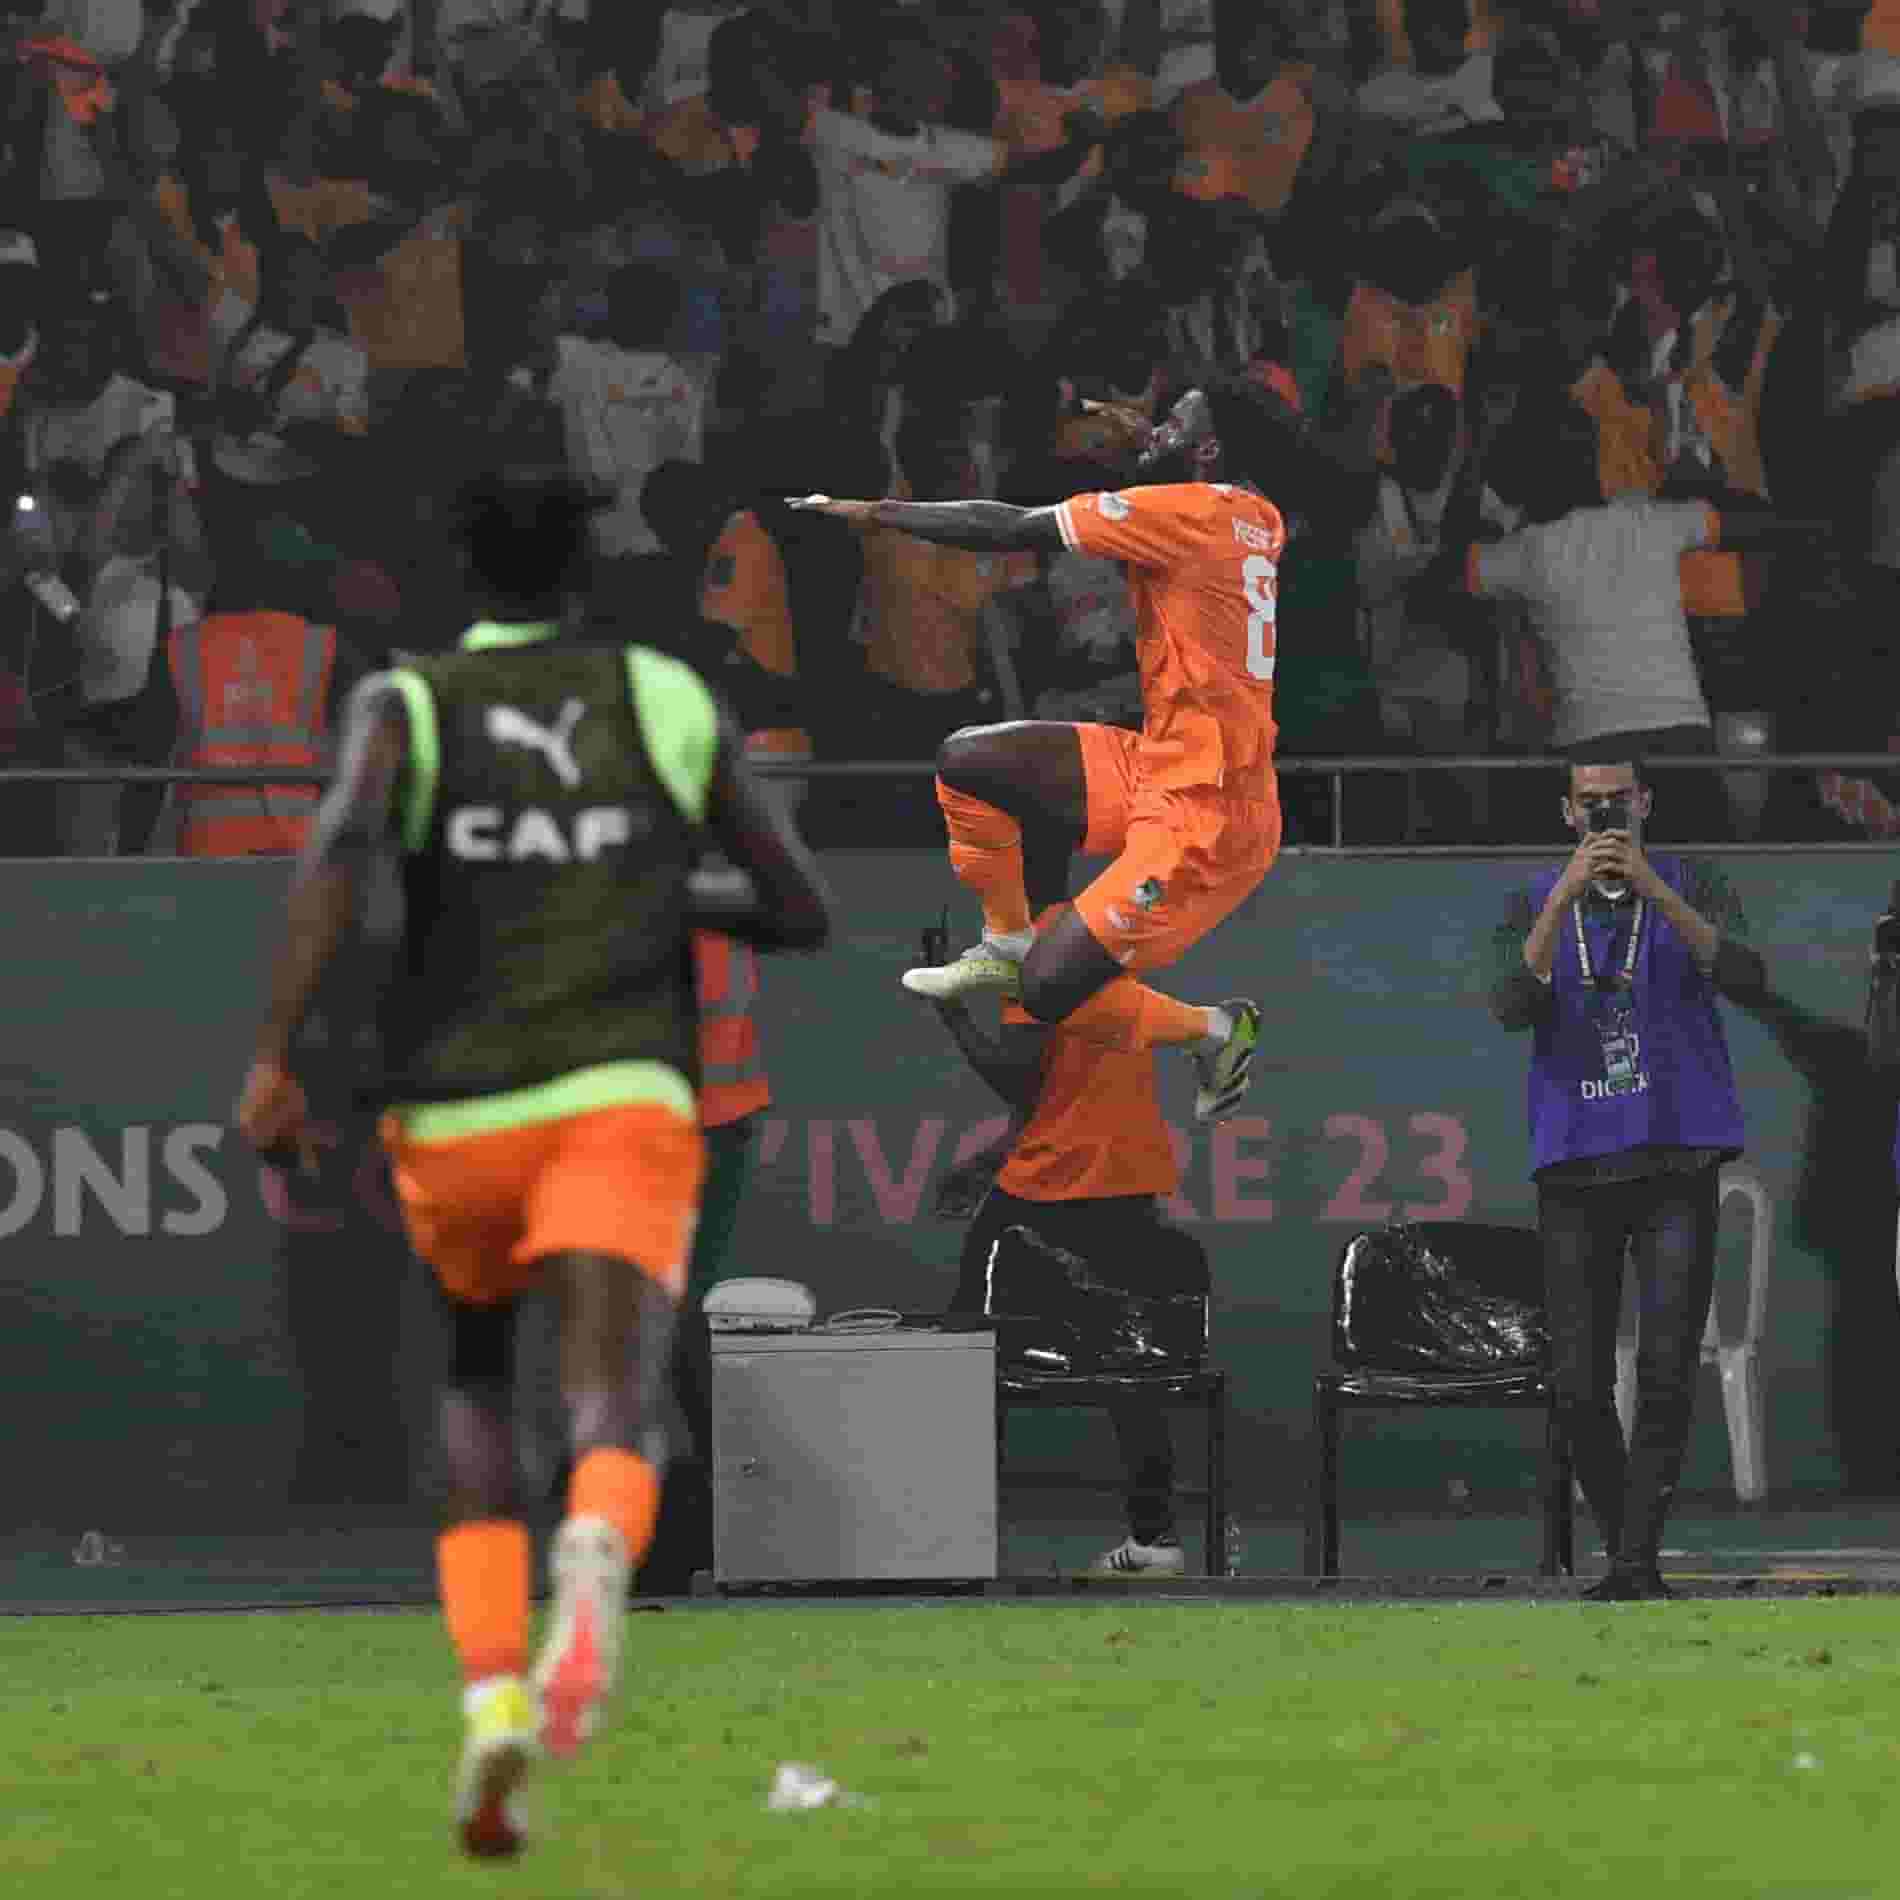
967,759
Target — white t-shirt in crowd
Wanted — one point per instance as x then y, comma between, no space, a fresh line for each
330,383
1430,107
884,210
1605,591
624,413
1094,610
685,42
118,630
123,409
122,412
1187,48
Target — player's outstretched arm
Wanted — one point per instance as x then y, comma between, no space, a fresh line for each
781,902
355,826
1011,1062
982,527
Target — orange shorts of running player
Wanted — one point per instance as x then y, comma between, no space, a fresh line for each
1184,858
485,1210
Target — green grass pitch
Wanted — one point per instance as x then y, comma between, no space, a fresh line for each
1194,1749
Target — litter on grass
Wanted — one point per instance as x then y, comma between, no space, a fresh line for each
799,1787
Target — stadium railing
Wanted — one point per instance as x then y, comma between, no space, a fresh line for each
1339,772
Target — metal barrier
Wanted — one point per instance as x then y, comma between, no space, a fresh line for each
1335,770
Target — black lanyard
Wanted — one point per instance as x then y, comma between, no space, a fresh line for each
1626,975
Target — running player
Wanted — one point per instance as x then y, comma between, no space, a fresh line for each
544,804
1190,804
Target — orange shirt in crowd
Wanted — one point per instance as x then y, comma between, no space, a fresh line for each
744,588
1626,437
1030,119
698,140
1203,569
1096,1129
607,108
1418,343
414,321
923,608
181,331
1251,149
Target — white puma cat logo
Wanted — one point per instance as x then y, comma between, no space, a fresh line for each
508,725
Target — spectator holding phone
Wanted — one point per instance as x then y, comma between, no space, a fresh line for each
1614,963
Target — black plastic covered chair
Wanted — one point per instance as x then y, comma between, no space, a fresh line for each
1066,1339
1447,1313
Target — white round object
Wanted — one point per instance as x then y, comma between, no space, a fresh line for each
760,1306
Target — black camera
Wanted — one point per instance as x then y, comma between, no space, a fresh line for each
1613,814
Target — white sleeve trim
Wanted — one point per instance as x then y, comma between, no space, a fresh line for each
1065,524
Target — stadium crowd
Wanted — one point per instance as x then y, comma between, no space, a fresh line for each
1582,318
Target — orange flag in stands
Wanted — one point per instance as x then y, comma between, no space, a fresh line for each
78,78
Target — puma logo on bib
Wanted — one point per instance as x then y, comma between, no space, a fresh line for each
508,725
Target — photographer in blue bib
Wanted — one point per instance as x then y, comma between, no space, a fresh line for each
1614,963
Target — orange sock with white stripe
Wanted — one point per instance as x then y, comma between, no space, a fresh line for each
986,852
483,1569
1129,1016
621,1487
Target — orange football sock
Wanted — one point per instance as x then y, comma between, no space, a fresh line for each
483,1570
621,1487
1129,1016
986,852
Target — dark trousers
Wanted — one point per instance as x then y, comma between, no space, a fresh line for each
1124,1239
1666,1226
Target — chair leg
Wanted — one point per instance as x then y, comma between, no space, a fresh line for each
1216,1532
1742,1401
1322,1492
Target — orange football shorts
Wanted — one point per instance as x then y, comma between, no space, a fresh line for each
484,1210
1183,858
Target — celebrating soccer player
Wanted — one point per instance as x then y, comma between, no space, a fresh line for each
1189,805
544,804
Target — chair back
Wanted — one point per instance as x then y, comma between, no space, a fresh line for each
1440,1296
1740,1182
1055,1313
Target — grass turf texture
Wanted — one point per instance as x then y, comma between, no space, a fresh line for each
1145,1749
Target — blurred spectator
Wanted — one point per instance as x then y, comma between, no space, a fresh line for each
1246,130
736,602
257,687
1604,587
863,392
1062,646
1445,88
920,616
1426,677
885,180
1036,118
629,400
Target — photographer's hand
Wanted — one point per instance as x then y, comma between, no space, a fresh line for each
1591,860
1624,863
1631,867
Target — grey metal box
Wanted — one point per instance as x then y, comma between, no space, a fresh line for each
853,1457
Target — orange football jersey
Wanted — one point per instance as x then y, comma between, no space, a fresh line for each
1203,562
1096,1128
